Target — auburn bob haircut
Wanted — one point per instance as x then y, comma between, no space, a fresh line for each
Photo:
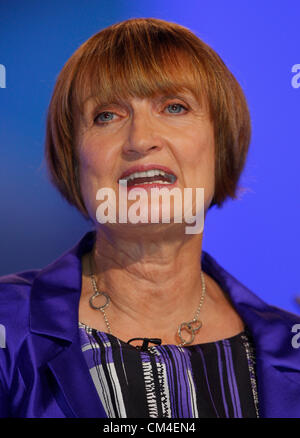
143,57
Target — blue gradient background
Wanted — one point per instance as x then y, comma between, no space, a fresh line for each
255,238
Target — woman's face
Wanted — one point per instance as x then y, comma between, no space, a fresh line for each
171,131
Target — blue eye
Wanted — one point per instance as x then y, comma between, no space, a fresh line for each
107,116
104,117
175,108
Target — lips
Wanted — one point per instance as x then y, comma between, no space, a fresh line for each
147,167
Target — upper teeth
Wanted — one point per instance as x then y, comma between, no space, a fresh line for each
154,172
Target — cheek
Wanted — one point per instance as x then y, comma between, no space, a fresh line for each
94,161
198,151
90,176
198,161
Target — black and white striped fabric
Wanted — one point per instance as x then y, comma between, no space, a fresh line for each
215,379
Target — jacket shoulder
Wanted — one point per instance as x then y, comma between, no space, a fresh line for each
285,316
16,287
14,326
25,277
260,315
14,305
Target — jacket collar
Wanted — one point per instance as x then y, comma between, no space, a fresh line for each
54,313
56,292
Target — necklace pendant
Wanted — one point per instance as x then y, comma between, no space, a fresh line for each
191,330
96,294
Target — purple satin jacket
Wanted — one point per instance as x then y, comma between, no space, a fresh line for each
43,373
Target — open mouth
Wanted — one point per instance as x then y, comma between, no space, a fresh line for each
153,176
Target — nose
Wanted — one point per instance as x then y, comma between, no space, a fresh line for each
143,135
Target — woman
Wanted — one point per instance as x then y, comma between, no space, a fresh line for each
144,104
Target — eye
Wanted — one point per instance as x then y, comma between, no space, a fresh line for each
176,108
104,117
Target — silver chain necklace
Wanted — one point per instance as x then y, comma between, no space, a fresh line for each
188,326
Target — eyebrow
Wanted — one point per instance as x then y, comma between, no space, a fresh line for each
186,95
161,96
102,103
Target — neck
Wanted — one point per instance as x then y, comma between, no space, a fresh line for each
153,287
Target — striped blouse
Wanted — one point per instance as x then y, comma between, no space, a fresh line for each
214,379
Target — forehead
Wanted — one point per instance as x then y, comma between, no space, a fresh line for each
101,82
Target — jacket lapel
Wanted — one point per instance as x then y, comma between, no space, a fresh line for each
76,385
54,316
277,362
